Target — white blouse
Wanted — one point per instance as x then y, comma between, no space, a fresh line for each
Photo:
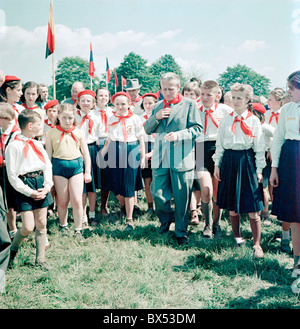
288,128
227,139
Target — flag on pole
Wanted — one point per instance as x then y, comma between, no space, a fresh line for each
116,79
108,75
50,46
91,65
123,82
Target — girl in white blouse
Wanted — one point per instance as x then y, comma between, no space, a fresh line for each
285,177
239,161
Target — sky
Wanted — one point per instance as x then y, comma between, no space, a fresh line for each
204,37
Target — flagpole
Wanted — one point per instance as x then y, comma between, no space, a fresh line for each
91,83
53,74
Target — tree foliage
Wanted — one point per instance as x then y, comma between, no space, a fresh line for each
244,74
69,70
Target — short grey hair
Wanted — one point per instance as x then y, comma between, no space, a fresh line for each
170,76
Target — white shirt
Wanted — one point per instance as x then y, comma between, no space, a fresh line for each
17,164
288,128
219,111
226,139
134,128
94,135
103,129
268,132
268,115
7,132
147,138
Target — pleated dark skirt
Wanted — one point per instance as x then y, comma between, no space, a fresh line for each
238,189
286,197
125,171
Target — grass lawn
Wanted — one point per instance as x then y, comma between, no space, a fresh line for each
144,269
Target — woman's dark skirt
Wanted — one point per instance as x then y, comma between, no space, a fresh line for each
25,203
125,170
239,190
286,197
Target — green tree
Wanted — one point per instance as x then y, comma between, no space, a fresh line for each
164,64
69,70
244,74
134,66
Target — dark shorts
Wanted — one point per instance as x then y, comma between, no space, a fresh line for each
67,168
25,203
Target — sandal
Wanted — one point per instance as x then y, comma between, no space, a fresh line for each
265,218
194,217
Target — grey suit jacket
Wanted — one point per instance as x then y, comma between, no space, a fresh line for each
186,121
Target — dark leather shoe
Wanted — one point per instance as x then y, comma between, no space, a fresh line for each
164,228
182,241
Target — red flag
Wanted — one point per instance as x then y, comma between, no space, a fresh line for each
91,66
108,74
116,79
50,46
123,81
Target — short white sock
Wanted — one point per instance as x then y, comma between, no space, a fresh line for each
239,240
92,214
84,219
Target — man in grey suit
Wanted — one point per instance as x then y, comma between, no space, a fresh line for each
176,123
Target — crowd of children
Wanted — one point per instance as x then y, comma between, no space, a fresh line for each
247,155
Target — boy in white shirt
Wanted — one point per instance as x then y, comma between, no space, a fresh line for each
30,173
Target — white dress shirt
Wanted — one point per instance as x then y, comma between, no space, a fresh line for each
288,128
219,111
94,135
134,128
103,129
17,164
226,139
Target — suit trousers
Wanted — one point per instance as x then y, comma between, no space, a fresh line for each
166,182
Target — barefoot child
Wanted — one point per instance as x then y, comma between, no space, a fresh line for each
125,145
66,146
239,161
30,173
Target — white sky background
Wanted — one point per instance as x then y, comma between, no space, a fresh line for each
205,37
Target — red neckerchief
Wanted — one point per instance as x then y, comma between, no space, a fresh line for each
31,143
176,100
122,118
136,100
208,114
3,135
70,131
29,108
246,129
104,118
91,122
74,100
274,115
48,123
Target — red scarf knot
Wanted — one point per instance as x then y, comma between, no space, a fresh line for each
176,100
30,142
122,119
274,115
70,131
246,129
